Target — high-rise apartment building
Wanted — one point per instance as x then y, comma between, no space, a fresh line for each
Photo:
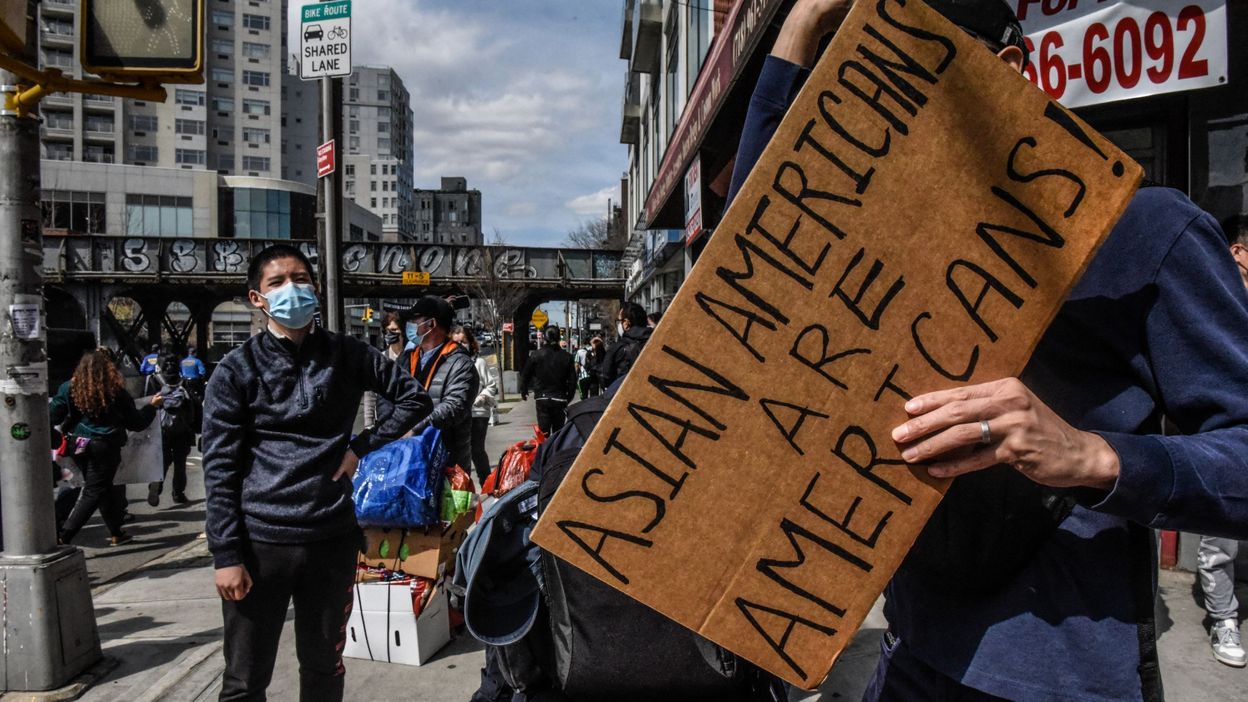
451,215
377,127
233,123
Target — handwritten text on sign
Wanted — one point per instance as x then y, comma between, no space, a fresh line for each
1085,52
915,223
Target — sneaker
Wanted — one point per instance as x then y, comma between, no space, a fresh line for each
180,499
122,538
153,495
1224,637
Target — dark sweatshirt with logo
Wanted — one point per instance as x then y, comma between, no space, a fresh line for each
277,423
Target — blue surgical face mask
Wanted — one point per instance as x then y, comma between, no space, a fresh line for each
413,332
293,305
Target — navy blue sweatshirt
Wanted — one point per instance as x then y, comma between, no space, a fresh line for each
277,422
1157,325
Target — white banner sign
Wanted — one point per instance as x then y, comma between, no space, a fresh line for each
1087,52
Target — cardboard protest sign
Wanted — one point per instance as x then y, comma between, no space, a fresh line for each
914,224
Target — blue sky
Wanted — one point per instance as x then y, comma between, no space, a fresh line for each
521,97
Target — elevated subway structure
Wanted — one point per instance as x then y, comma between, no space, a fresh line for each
202,273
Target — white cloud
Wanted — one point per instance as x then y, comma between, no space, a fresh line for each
520,98
594,204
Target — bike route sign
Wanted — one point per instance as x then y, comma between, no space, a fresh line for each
325,40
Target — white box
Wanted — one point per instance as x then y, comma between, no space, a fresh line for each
383,628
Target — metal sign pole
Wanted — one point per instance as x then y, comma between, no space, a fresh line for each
333,232
49,622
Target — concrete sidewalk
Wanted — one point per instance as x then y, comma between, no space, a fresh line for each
163,625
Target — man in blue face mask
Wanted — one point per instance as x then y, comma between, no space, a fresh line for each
278,462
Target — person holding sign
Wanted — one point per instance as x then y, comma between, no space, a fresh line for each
1035,578
278,463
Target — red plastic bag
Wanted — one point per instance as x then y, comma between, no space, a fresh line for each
516,463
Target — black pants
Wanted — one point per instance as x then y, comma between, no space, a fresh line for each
319,577
176,450
98,463
480,459
551,415
589,387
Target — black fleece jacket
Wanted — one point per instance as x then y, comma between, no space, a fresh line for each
277,422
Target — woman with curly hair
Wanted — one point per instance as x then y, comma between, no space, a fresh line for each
95,411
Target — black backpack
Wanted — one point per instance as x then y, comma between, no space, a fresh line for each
592,642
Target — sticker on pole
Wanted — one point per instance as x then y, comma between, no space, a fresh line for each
325,40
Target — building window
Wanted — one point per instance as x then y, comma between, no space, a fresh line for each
255,21
258,78
158,215
697,44
383,96
256,51
58,58
673,93
353,144
221,104
57,151
257,107
73,211
383,113
98,153
353,125
372,169
144,155
354,94
223,18
190,157
383,127
383,145
350,170
256,163
99,123
222,75
261,214
58,120
223,46
144,123
192,98
225,162
189,126
256,136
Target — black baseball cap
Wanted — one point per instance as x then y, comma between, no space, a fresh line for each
435,308
993,21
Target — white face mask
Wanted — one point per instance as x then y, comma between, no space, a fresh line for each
619,328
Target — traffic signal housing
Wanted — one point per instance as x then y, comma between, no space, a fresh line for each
143,40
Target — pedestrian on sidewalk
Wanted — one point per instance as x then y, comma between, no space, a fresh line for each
550,374
1035,578
180,418
445,370
94,410
278,463
631,325
193,370
483,405
392,337
1216,557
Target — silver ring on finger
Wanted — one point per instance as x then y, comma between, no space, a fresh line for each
985,433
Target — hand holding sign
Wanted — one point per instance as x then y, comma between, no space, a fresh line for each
1021,430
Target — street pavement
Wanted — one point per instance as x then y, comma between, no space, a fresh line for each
160,620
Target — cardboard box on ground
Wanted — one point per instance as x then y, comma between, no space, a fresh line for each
418,551
384,624
914,224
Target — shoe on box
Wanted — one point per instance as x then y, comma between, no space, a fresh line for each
1224,638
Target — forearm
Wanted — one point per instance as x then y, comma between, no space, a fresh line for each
1191,483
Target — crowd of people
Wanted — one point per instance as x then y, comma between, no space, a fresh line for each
1071,618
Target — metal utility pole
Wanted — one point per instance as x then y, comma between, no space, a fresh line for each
331,194
49,622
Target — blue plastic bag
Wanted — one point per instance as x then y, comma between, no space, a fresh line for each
400,485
